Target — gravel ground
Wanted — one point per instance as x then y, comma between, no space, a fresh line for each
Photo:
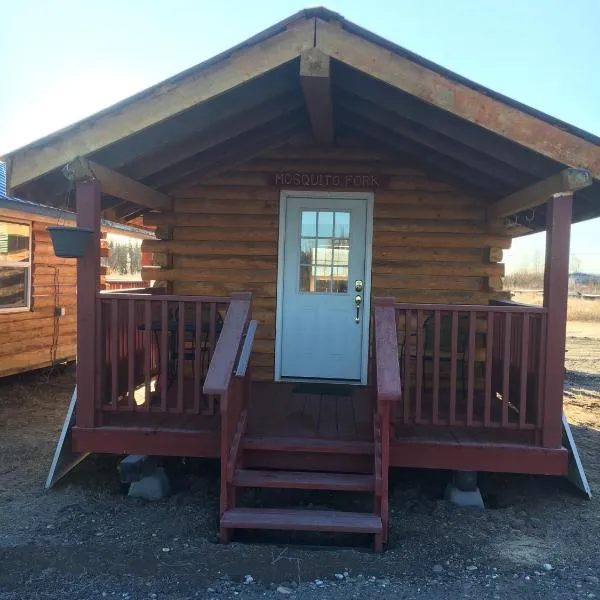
87,540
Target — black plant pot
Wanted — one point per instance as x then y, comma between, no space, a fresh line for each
70,242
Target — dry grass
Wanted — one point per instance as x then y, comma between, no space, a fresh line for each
579,309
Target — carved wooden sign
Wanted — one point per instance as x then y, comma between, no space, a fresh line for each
330,180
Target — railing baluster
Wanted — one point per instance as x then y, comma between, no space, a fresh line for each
524,370
181,355
471,368
541,388
453,359
407,352
506,368
130,354
419,382
489,358
163,376
114,354
100,354
147,352
436,365
197,358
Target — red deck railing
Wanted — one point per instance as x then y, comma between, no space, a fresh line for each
154,351
387,390
472,366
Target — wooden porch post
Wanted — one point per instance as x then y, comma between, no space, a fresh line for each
87,197
556,292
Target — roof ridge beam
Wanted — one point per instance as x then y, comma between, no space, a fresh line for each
566,181
315,78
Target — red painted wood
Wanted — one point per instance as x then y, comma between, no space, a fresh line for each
408,341
453,360
419,366
147,354
489,362
130,354
197,357
556,282
164,345
234,450
388,364
309,461
301,520
501,308
506,368
303,480
320,445
114,353
541,391
493,457
225,354
525,331
87,199
471,368
377,458
127,440
437,324
180,353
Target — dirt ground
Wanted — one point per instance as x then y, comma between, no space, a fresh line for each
87,540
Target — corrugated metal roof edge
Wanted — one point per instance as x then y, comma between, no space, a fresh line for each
327,15
18,204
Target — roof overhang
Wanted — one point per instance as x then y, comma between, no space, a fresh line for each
316,70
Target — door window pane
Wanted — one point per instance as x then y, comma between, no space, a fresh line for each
324,251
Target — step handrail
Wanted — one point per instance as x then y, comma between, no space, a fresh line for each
227,349
389,386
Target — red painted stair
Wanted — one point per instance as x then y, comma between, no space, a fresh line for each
301,520
302,480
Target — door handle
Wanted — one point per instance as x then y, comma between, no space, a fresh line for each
357,302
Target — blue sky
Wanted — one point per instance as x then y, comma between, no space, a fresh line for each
65,59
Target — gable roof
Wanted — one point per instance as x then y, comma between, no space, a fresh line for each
386,95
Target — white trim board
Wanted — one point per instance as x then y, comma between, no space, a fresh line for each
283,198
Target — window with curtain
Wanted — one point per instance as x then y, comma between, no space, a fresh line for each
15,265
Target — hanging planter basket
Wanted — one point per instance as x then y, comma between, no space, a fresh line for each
70,242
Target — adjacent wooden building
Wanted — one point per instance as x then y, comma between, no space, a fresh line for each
331,213
38,296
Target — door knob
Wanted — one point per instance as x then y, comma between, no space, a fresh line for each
358,285
357,302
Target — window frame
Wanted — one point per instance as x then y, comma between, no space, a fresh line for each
28,266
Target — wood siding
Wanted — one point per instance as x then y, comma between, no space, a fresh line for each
431,241
37,338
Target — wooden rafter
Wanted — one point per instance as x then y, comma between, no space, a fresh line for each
468,103
315,77
115,184
435,141
569,180
218,133
161,102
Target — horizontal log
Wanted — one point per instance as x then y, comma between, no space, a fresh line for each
433,199
68,301
496,283
18,344
205,263
428,282
436,296
239,277
443,240
218,206
408,226
434,268
219,234
229,191
450,213
191,248
391,253
19,317
36,359
195,220
37,324
226,288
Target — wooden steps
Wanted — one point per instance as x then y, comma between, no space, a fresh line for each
312,445
302,520
301,480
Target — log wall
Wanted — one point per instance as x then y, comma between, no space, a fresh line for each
431,241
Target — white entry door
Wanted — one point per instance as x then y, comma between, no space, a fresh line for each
323,304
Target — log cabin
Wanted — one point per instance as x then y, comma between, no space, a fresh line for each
332,211
38,300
